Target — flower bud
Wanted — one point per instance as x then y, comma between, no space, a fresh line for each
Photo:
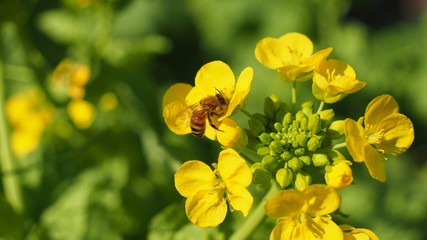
275,136
263,151
276,101
320,159
269,110
327,116
284,177
259,174
278,127
302,180
336,129
256,126
299,152
287,119
304,123
314,143
302,120
301,139
286,155
269,162
314,123
276,147
295,164
295,124
305,159
339,175
299,115
307,108
265,138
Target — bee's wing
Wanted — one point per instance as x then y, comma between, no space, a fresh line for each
183,118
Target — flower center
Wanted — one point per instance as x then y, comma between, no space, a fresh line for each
295,56
376,138
330,74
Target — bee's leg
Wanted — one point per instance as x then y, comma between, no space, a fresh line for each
212,124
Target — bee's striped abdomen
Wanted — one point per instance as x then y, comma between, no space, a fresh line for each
198,123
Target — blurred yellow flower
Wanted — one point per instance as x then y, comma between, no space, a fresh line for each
333,80
215,96
29,115
305,214
351,233
339,175
81,112
208,191
291,55
386,131
69,78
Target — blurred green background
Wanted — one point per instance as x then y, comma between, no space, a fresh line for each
114,178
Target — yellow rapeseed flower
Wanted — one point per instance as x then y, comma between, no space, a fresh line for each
351,233
81,112
333,80
385,131
291,55
214,78
69,78
305,214
208,191
29,115
339,175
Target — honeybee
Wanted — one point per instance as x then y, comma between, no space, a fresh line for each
211,108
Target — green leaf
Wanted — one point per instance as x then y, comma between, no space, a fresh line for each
91,207
61,25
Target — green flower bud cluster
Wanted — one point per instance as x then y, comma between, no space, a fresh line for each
290,145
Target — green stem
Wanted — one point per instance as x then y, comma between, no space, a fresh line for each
248,114
255,217
339,145
11,182
294,96
322,104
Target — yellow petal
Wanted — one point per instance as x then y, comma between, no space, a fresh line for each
320,86
323,228
374,162
299,73
212,77
284,229
292,199
398,134
194,176
355,138
243,86
210,132
175,110
230,134
321,199
239,197
380,108
317,57
206,208
269,52
316,229
351,233
297,43
233,168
